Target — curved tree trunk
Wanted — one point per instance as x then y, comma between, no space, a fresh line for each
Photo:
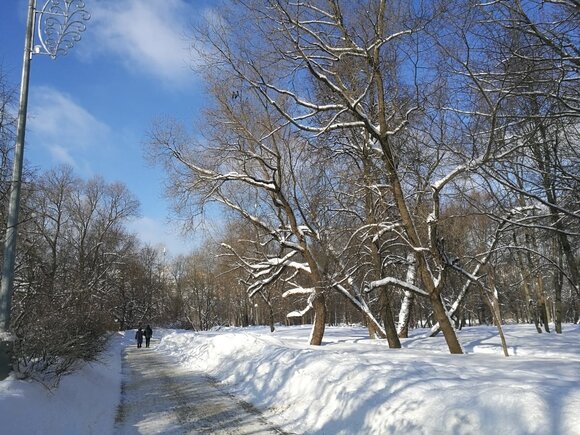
447,328
359,303
319,323
388,320
493,303
491,297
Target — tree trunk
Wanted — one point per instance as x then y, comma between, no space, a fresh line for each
423,270
405,314
272,328
527,299
407,304
445,324
494,306
492,299
531,310
558,283
542,302
541,150
270,311
571,260
319,322
389,321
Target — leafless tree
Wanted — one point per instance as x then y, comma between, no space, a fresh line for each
70,249
406,148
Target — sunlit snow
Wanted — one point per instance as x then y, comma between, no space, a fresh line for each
349,385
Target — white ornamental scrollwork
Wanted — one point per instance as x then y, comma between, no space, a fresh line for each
60,24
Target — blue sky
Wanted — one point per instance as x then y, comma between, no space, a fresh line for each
92,108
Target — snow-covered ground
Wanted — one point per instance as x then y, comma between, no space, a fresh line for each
349,385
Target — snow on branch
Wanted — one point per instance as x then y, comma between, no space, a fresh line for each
522,210
281,261
236,176
277,261
299,313
385,229
361,305
439,184
298,291
299,266
396,282
305,230
308,307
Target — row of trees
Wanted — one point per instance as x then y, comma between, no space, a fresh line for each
79,272
395,153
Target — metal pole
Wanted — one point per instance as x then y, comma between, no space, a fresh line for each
7,285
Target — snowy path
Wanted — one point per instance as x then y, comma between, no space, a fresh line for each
160,397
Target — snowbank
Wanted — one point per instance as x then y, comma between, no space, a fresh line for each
85,402
350,385
355,385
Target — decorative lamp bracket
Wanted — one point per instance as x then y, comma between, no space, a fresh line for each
59,26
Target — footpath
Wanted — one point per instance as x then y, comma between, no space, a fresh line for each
160,397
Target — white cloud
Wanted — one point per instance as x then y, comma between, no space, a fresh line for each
147,36
54,114
61,155
162,235
58,123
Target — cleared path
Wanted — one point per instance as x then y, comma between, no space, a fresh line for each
159,397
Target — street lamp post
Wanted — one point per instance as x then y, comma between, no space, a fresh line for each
59,24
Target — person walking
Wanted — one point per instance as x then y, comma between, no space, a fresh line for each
148,335
139,337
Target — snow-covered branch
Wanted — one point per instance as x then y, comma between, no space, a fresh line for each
396,282
298,291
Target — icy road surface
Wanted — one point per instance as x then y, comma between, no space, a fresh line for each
160,397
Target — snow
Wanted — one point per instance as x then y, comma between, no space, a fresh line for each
298,291
399,283
6,336
349,385
85,402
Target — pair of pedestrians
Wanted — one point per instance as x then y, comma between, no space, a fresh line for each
147,333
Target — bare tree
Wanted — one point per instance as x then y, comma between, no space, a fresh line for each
402,148
531,63
315,42
70,249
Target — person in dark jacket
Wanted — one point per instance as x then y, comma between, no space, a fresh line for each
148,335
139,337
